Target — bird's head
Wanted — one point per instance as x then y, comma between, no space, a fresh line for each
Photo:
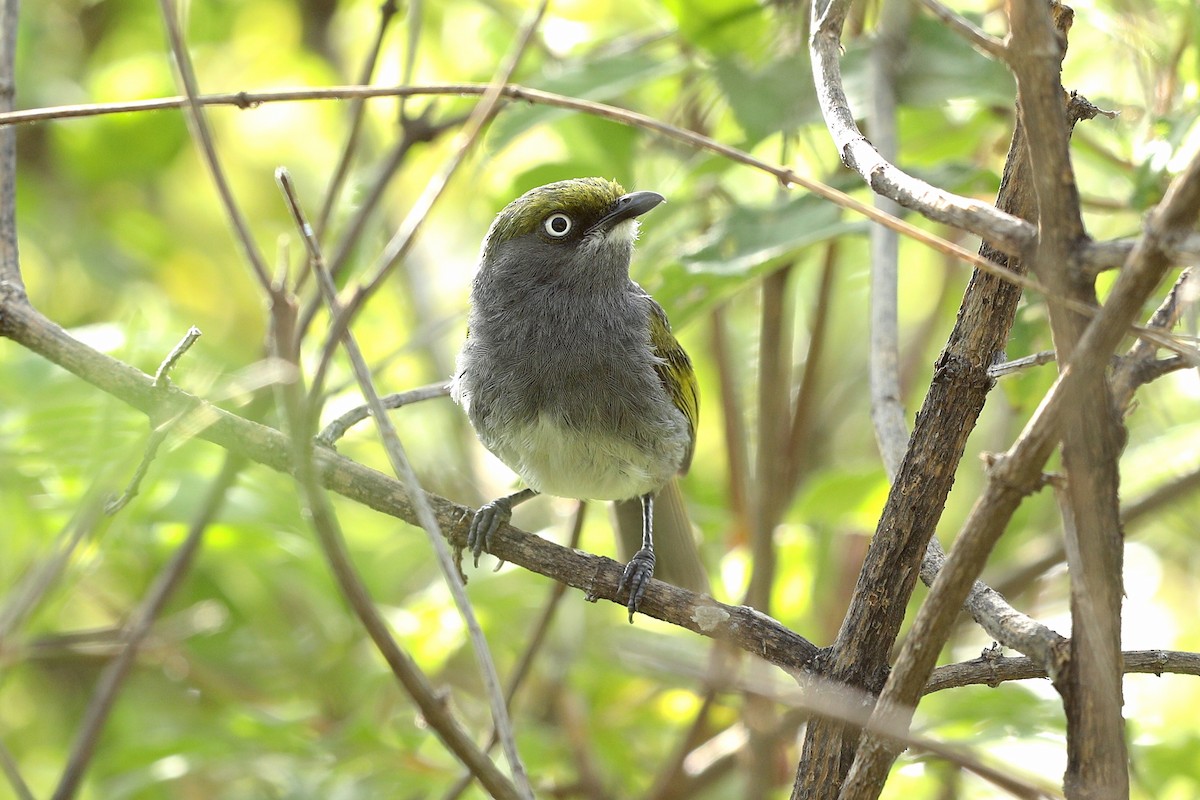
579,228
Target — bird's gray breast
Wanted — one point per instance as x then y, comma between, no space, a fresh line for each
584,361
564,390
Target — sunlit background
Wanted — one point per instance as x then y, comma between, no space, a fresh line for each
258,682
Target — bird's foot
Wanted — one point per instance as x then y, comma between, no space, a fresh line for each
637,576
486,522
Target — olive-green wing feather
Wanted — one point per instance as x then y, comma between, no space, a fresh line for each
675,370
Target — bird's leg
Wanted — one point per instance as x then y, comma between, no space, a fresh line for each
488,520
640,568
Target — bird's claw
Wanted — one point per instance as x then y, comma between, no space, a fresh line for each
485,523
637,576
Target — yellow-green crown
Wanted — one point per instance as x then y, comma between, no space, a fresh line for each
585,200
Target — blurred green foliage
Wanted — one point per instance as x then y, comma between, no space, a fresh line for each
257,681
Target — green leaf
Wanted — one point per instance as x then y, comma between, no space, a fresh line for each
721,26
937,66
778,97
749,242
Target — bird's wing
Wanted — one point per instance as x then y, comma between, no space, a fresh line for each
675,370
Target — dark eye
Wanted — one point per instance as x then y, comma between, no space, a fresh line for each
558,225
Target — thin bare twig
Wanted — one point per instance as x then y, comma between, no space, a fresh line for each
162,374
335,430
158,433
992,671
1137,366
541,627
403,470
387,11
1007,236
1025,362
208,151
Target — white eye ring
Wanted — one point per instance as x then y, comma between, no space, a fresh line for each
558,225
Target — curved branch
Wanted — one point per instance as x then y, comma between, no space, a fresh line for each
1003,231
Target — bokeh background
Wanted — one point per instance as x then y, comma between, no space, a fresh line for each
257,681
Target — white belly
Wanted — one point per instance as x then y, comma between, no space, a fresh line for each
558,460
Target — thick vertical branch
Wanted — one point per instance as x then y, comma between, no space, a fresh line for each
1045,120
1092,432
948,414
1010,627
1019,471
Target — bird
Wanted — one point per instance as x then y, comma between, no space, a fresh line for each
569,372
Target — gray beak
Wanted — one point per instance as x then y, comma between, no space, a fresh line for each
631,205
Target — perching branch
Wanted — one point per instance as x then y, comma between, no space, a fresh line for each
598,576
